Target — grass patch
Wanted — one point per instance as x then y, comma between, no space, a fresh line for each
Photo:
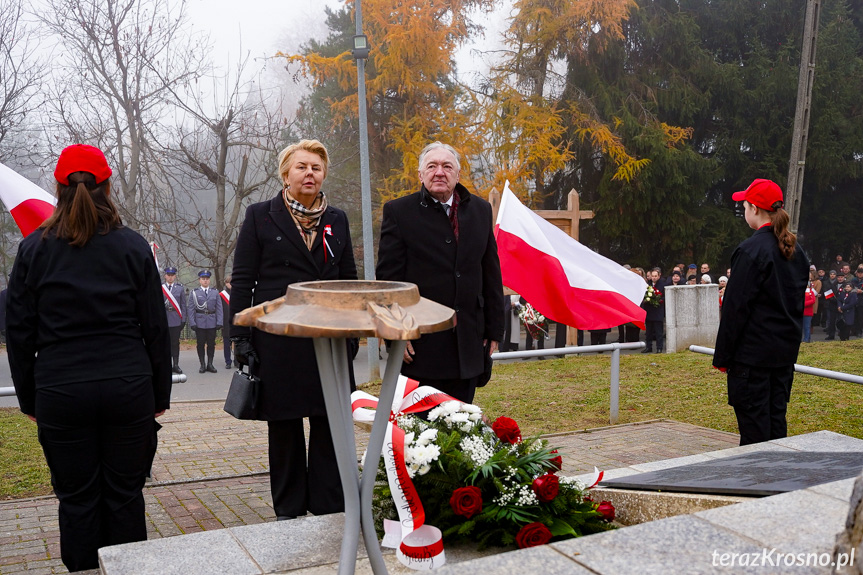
23,471
559,395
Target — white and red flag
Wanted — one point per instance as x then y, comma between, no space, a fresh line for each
29,204
562,279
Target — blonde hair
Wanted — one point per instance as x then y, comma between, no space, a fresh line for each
286,156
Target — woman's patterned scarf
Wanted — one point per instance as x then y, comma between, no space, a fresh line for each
307,219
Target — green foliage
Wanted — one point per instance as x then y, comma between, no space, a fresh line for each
462,453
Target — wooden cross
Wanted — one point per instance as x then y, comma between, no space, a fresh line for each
567,220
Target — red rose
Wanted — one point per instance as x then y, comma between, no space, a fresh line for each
545,487
532,534
556,461
606,509
506,430
466,501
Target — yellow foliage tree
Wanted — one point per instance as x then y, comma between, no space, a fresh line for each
409,82
525,113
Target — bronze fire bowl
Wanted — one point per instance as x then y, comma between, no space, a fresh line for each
349,308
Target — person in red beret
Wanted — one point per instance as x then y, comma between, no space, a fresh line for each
762,316
90,357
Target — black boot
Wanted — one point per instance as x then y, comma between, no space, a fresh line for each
211,368
203,367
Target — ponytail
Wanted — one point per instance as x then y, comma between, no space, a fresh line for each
83,208
787,241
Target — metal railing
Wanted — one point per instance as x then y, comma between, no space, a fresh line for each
614,348
807,369
10,391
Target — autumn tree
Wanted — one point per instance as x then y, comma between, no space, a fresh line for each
21,75
527,105
220,158
412,95
120,58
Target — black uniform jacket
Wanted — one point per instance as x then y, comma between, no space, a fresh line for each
418,245
762,311
270,256
78,314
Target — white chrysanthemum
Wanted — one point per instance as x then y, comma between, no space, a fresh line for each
470,408
466,426
424,469
459,417
427,436
435,413
409,438
475,416
451,407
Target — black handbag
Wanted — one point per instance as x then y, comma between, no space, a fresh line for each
242,400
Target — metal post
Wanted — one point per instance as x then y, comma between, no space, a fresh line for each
615,382
373,455
800,136
346,451
366,195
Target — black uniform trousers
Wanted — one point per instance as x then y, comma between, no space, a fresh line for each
832,313
298,485
174,334
760,398
208,337
226,340
654,332
97,437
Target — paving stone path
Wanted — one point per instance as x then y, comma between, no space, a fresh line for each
210,473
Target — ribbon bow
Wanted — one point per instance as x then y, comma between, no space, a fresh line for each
419,546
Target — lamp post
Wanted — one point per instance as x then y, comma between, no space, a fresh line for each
360,52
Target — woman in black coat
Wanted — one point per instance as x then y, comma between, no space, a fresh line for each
294,237
762,316
90,357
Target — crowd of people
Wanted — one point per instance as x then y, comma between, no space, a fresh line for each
98,428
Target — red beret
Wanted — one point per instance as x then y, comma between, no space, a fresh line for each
81,158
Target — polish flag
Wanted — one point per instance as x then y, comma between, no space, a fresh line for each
829,294
562,279
29,204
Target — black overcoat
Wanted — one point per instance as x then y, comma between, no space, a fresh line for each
270,256
762,311
418,245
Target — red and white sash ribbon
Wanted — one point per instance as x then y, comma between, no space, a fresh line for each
173,300
225,296
328,231
419,546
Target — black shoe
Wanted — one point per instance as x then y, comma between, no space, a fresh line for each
646,350
228,365
658,351
176,369
203,368
829,338
211,368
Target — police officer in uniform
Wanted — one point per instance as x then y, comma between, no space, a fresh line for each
174,309
204,311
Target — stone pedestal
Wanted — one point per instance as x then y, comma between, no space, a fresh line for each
691,316
849,543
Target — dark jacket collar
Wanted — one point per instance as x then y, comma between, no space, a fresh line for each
463,195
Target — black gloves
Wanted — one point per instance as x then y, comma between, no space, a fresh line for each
243,350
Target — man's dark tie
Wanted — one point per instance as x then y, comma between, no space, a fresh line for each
453,215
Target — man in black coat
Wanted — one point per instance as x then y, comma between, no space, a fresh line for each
655,319
441,238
